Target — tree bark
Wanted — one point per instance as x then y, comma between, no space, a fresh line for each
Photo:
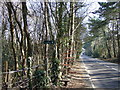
113,41
12,33
23,57
118,37
47,38
28,44
72,28
106,43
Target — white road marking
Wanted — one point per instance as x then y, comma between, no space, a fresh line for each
107,66
115,69
112,68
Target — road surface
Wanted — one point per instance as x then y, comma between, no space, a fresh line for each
102,74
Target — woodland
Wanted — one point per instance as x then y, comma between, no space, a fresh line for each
104,33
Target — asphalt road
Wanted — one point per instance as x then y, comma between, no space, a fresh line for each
102,74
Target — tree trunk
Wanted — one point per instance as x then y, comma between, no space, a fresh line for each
12,34
23,57
72,28
28,44
113,41
118,32
47,38
106,43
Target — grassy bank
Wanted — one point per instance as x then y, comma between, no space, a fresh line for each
112,60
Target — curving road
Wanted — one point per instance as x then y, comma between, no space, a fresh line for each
102,74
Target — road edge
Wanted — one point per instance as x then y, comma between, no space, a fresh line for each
90,80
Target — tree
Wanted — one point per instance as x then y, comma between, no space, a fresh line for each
105,29
12,33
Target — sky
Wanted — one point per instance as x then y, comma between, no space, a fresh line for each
92,7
